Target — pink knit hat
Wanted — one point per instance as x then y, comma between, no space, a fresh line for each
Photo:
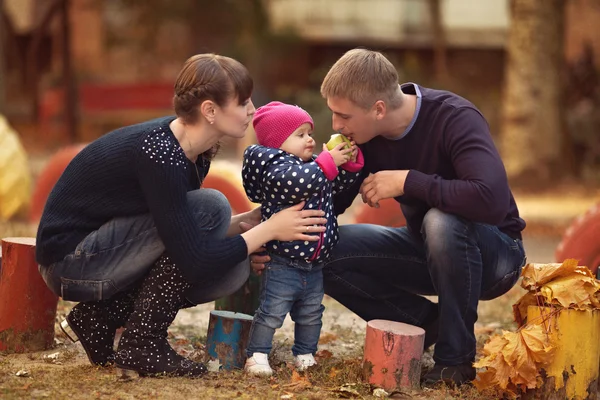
275,122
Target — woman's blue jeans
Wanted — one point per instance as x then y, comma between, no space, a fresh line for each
120,253
381,273
288,286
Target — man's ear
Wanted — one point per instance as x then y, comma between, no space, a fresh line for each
208,109
380,109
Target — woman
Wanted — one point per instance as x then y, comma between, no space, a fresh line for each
127,233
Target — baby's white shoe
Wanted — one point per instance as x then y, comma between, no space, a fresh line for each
303,361
258,365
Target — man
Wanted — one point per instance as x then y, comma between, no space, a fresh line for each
432,151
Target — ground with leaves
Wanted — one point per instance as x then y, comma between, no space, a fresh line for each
64,372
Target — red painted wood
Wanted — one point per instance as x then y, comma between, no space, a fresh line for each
27,306
392,354
582,240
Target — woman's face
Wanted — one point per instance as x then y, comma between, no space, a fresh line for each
234,118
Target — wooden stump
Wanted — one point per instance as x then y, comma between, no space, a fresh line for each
392,357
27,306
573,373
227,338
245,300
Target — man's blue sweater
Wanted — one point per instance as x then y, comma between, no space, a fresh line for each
453,162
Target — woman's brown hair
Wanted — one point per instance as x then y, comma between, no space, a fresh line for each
209,77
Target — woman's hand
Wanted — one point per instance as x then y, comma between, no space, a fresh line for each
293,223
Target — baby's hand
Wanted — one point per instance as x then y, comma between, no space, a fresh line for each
339,154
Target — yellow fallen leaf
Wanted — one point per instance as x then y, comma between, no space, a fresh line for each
538,343
299,382
574,291
520,307
333,372
494,345
513,360
535,274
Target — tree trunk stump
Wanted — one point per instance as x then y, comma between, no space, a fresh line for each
392,355
245,300
573,374
27,306
227,338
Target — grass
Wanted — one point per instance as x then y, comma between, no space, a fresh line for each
338,374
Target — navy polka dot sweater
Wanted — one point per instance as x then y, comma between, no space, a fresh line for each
277,179
131,171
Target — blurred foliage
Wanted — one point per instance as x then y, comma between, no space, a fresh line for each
239,29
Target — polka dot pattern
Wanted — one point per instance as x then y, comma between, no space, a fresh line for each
94,324
162,148
277,180
143,347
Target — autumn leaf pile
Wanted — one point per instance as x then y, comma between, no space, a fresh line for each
512,360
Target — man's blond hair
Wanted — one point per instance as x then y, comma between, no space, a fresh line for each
363,77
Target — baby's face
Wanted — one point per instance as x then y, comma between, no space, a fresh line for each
300,143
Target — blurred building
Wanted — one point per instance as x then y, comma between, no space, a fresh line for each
113,56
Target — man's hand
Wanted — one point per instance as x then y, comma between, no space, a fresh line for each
251,218
257,260
382,185
243,222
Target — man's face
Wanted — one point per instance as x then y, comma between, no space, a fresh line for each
351,120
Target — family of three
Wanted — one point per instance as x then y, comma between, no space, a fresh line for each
129,233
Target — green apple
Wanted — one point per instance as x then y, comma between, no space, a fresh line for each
336,139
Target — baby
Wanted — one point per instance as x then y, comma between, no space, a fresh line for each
278,172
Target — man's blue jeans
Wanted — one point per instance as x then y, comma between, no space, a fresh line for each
380,273
120,253
288,286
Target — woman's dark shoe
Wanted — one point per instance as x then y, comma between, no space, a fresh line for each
449,374
88,323
143,347
94,324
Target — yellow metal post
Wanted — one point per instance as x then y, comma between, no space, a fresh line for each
573,374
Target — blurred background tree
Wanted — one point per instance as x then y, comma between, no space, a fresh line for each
124,54
535,147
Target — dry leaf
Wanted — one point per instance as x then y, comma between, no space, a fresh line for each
537,341
520,307
572,291
347,391
324,354
514,359
299,382
327,337
535,275
333,372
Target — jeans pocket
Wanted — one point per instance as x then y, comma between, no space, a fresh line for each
47,275
86,290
